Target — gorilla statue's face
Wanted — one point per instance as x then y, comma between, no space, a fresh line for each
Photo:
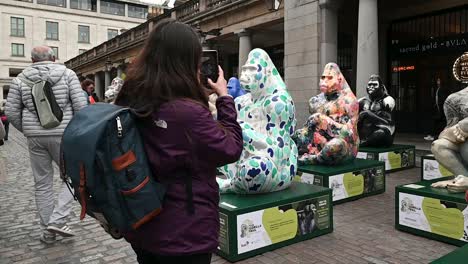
375,88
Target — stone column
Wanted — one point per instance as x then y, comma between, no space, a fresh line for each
107,80
329,32
97,86
301,53
245,46
119,71
367,45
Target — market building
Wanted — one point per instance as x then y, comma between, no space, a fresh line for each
70,27
409,43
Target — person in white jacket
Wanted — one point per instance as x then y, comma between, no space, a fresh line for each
44,144
2,133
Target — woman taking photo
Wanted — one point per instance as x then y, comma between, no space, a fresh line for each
181,139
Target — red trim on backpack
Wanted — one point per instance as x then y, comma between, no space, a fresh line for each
82,191
124,161
136,189
146,218
466,196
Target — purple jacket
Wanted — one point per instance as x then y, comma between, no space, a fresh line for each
184,137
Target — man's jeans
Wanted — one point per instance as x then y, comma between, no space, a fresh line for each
42,151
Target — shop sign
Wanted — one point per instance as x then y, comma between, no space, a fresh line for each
403,68
460,68
434,45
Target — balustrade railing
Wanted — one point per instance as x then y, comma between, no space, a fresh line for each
188,9
215,3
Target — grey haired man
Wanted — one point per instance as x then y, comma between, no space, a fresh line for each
44,144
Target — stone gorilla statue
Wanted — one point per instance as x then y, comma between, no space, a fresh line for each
375,124
234,88
451,149
113,89
266,114
330,135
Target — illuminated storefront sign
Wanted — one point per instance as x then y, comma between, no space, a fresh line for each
460,68
430,46
403,68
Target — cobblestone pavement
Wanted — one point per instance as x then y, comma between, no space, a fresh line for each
364,229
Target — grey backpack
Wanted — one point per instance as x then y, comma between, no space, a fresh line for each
48,111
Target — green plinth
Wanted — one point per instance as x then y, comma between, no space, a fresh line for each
458,256
254,224
431,169
432,212
349,181
396,157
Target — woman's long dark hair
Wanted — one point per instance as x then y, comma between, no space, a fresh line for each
166,68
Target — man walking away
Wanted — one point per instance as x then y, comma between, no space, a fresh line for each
44,144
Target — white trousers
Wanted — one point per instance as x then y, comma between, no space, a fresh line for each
42,151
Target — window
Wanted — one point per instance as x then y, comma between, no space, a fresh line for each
83,34
112,33
13,72
61,3
52,31
137,11
17,26
113,8
89,5
17,50
81,51
56,53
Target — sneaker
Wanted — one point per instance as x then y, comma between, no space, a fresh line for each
62,230
47,237
429,138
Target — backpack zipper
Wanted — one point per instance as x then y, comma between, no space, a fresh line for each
119,127
128,171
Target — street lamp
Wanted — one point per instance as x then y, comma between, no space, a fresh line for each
108,64
273,5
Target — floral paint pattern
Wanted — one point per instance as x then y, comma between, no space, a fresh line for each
330,135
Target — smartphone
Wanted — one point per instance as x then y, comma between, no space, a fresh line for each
209,67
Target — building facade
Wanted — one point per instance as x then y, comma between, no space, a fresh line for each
411,44
70,27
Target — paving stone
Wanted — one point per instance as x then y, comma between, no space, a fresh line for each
364,229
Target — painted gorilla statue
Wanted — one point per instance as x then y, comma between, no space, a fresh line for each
234,88
330,135
375,123
267,117
451,149
113,89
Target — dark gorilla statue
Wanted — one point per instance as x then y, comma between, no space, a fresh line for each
375,123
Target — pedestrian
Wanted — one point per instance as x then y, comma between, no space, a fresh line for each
44,144
6,123
88,87
438,116
181,139
2,132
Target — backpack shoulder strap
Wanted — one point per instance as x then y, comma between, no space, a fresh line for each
28,82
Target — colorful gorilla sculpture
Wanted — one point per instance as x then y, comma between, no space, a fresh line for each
375,123
266,114
234,88
330,135
451,149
